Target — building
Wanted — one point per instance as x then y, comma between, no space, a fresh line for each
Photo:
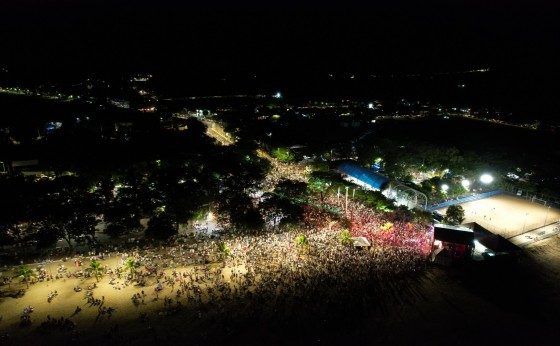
362,176
452,244
371,180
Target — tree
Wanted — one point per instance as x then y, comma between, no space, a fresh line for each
76,226
130,265
422,216
195,126
295,190
82,227
278,210
301,241
224,250
121,217
320,183
67,211
240,213
455,215
24,272
46,237
161,227
96,269
19,198
345,238
283,154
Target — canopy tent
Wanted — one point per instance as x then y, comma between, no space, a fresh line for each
363,174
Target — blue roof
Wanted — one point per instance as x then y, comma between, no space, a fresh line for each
363,174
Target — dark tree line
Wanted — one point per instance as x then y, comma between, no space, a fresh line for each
168,189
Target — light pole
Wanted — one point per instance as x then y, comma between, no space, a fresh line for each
338,196
546,217
346,205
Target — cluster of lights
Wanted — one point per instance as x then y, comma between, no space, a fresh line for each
485,179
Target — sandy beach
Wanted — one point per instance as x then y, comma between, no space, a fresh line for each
126,317
483,306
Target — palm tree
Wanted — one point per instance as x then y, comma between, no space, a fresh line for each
345,238
302,244
24,272
96,269
130,265
301,241
224,249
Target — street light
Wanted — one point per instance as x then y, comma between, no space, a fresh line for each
466,183
486,179
444,187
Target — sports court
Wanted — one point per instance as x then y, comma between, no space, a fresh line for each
508,215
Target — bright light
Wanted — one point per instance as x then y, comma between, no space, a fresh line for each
486,179
465,183
210,216
370,106
444,187
479,247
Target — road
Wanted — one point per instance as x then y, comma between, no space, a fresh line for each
217,132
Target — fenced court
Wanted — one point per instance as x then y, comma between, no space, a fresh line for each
508,215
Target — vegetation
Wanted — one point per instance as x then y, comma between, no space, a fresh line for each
283,154
24,272
224,249
301,241
96,269
180,173
345,238
455,215
161,227
130,266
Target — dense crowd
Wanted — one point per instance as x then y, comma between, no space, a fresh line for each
268,276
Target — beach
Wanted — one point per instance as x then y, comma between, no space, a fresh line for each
269,292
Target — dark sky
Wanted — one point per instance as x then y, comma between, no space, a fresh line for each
276,38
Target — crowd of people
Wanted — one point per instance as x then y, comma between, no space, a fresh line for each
386,229
280,171
268,276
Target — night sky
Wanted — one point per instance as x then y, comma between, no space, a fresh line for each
517,40
241,36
